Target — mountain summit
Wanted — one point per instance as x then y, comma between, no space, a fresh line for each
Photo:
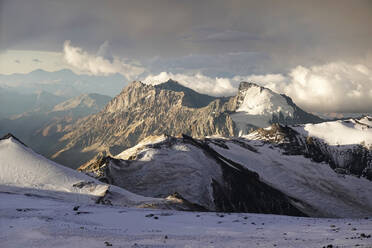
257,106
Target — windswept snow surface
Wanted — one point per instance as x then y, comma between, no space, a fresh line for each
258,107
342,132
27,221
23,171
324,192
175,167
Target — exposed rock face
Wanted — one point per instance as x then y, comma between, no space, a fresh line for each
142,110
137,112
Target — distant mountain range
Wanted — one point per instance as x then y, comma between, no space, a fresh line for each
41,127
14,103
62,83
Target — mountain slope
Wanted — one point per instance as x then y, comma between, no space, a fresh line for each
164,165
142,110
25,172
222,174
191,98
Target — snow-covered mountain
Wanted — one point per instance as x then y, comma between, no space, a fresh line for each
24,172
142,110
63,83
279,169
257,106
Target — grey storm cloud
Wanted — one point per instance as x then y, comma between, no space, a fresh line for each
301,31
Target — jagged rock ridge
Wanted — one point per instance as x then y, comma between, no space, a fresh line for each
142,110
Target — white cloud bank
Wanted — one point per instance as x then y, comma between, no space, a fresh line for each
333,87
84,62
198,82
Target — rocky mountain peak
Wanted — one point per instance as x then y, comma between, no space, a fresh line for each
138,95
247,85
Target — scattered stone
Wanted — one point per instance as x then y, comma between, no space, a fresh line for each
149,215
363,235
76,208
156,217
23,209
109,244
82,212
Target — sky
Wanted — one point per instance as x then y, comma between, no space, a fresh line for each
317,52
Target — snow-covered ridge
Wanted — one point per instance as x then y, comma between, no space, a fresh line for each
326,180
25,172
341,132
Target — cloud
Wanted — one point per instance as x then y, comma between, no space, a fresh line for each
212,65
332,87
198,82
85,62
229,36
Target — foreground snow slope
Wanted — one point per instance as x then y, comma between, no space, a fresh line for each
34,222
26,172
317,178
186,167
